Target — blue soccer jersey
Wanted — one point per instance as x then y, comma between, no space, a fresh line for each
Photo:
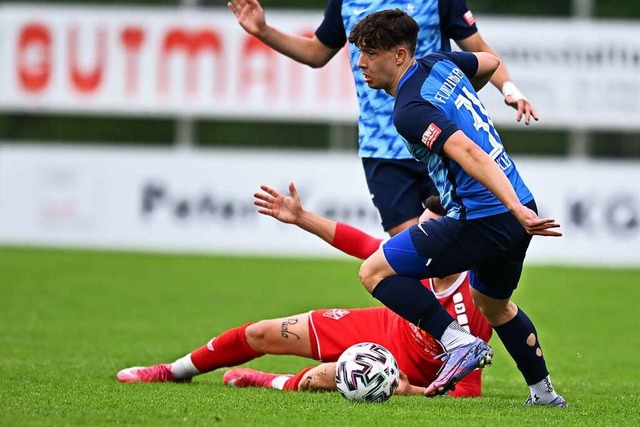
435,99
439,22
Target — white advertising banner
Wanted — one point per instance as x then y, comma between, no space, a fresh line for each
163,62
579,74
202,201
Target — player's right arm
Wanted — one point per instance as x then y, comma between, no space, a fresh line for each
288,209
306,50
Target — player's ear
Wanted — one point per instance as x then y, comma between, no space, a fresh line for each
401,54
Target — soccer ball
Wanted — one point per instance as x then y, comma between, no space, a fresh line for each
367,372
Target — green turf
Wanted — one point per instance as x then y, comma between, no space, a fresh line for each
69,320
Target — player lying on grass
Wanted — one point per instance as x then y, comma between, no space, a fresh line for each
325,334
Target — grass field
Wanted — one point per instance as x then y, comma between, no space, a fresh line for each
69,320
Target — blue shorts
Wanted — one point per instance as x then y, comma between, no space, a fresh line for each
492,248
398,188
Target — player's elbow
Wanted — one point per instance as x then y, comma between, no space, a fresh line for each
317,61
317,54
487,63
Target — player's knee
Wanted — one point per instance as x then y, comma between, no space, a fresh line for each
498,313
367,276
257,334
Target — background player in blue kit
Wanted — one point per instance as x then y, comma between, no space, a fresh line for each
491,214
397,183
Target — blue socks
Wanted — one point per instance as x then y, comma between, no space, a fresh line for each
520,338
411,300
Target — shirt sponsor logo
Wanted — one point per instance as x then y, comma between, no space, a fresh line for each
469,19
336,313
430,135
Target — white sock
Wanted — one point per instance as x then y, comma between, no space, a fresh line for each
279,381
184,368
455,336
542,392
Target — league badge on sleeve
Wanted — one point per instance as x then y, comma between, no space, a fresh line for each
430,135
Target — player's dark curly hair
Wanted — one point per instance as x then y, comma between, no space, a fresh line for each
434,205
385,30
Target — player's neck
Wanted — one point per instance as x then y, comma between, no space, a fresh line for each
441,285
393,89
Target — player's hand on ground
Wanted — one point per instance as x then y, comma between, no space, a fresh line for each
404,387
249,14
523,107
284,208
536,226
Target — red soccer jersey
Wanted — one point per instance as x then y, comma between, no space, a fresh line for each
456,300
332,331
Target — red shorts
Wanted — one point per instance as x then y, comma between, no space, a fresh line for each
333,331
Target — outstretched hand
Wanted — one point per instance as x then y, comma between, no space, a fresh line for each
536,226
284,208
523,107
249,14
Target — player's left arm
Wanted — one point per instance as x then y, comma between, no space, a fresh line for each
501,79
459,148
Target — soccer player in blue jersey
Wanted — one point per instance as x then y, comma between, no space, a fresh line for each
491,214
397,183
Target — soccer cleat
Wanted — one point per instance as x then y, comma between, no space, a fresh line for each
459,363
245,377
558,402
151,374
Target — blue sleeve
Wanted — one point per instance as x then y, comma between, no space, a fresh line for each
331,31
456,20
466,61
423,123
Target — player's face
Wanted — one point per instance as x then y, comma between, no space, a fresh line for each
427,215
378,67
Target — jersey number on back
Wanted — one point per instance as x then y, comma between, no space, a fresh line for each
481,121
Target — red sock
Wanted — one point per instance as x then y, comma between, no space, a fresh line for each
292,383
229,349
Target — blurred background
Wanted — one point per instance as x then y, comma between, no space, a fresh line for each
149,124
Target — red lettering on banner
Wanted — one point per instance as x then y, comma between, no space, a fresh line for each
265,76
192,43
34,57
132,39
86,82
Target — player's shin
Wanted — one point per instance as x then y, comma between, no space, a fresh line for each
520,338
227,349
410,299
